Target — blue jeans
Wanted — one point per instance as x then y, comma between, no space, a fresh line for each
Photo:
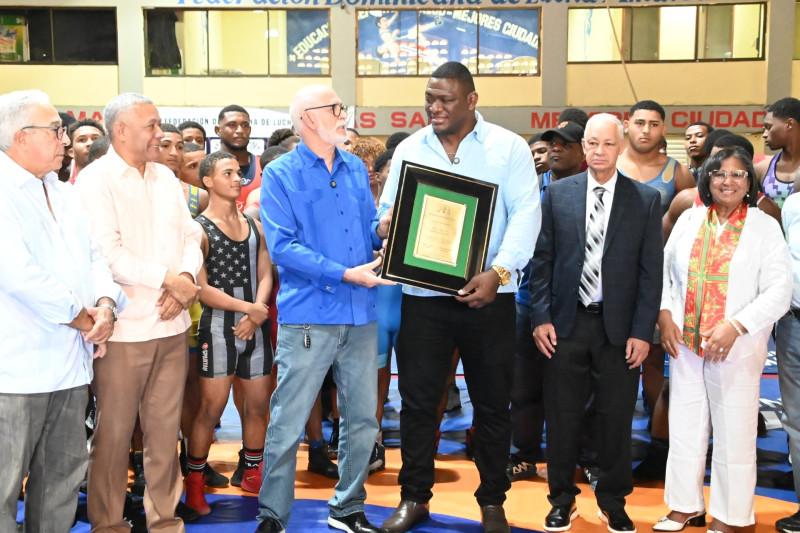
787,349
351,350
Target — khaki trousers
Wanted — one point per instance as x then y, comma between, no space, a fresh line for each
145,378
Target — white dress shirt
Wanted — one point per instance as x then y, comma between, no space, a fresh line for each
608,200
488,153
49,271
144,230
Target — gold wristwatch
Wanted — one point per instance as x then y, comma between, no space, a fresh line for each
505,275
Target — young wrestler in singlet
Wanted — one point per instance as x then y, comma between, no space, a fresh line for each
779,175
236,282
641,159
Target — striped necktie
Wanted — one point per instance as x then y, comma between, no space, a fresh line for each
590,277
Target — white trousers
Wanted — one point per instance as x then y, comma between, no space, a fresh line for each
724,396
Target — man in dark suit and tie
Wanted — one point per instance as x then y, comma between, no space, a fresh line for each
595,295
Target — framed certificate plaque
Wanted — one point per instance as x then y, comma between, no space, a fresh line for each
440,229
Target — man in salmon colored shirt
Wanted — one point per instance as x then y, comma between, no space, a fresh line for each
144,230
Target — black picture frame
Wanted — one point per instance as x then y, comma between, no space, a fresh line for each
480,195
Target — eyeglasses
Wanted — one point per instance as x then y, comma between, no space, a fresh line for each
337,109
59,130
721,175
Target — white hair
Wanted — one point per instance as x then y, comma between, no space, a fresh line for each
118,105
15,113
605,117
302,99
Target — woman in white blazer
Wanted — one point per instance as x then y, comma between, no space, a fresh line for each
727,279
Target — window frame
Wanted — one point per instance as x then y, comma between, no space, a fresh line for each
627,47
50,10
149,74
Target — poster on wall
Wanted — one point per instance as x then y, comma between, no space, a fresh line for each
307,42
415,43
14,39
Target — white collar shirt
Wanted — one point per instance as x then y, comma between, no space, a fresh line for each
49,271
144,229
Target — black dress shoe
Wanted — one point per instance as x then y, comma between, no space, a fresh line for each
789,524
560,517
352,523
407,515
617,521
493,519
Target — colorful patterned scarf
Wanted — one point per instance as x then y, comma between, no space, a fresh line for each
709,265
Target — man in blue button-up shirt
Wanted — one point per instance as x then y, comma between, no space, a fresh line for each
321,229
481,322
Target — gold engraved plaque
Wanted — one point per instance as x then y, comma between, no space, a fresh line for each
440,228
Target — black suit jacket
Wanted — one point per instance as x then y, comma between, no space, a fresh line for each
633,254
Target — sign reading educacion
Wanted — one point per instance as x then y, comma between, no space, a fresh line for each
418,3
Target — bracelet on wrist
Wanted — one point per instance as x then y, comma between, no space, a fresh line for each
736,327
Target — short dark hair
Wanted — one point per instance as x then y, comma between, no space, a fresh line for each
535,138
188,148
709,128
81,123
208,163
279,135
185,125
396,138
289,141
271,154
730,140
99,148
649,105
786,108
354,131
712,137
233,108
715,162
455,71
574,114
67,118
382,160
167,127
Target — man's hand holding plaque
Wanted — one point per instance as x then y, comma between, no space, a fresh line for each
480,290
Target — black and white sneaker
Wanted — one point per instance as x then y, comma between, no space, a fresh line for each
377,461
352,523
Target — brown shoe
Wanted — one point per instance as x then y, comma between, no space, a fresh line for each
407,515
493,519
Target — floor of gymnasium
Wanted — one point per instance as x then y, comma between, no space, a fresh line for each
453,506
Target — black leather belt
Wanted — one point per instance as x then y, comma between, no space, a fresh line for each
594,307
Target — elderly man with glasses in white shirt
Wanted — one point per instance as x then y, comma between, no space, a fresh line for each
59,306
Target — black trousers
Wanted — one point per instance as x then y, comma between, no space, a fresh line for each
527,393
430,331
586,361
